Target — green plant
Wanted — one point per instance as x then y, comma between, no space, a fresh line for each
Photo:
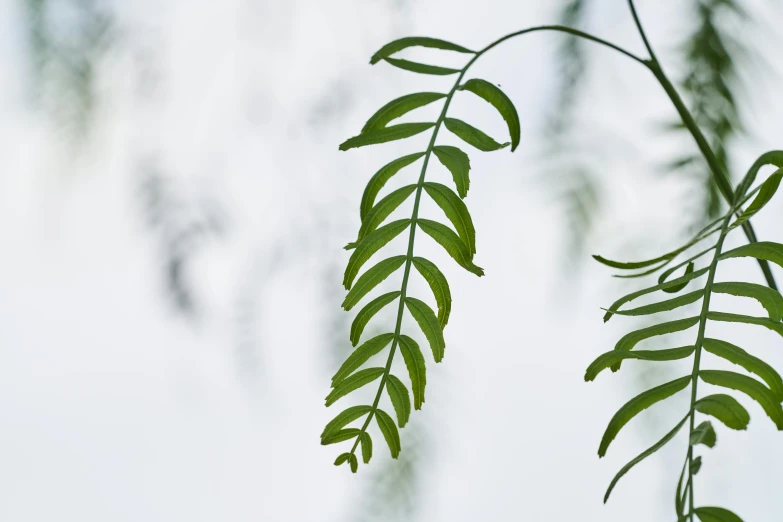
460,244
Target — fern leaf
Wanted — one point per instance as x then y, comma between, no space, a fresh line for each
368,312
399,107
429,325
500,101
453,244
421,68
414,361
472,136
372,278
369,245
749,386
380,178
381,211
737,355
389,431
361,355
438,285
386,134
456,211
354,382
614,357
725,408
637,405
400,398
416,41
458,163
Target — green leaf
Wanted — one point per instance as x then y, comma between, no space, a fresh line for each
704,433
628,341
768,189
382,210
368,312
500,101
449,240
372,278
414,361
737,318
638,404
400,398
689,262
765,250
366,441
345,417
458,164
353,462
386,134
390,433
340,436
749,386
439,286
753,364
646,453
455,210
608,359
725,408
472,135
676,288
716,514
396,108
380,178
354,382
663,306
674,282
421,68
770,299
342,458
416,41
429,325
369,245
633,264
361,355
696,465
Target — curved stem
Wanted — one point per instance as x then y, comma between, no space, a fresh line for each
719,174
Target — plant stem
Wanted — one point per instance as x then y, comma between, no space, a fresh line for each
719,174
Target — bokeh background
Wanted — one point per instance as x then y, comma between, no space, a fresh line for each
173,208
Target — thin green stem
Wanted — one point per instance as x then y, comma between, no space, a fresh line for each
719,174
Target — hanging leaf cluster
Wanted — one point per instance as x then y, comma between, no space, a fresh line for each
755,378
456,234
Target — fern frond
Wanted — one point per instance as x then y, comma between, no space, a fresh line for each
459,242
763,384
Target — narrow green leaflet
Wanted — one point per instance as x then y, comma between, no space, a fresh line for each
751,387
396,108
458,164
500,101
354,382
455,210
632,265
449,240
345,417
608,359
646,453
386,134
353,463
342,458
716,514
372,278
361,355
428,323
737,318
675,288
770,299
669,271
390,433
768,189
704,433
472,135
400,398
628,341
421,68
381,211
416,41
753,364
636,405
674,282
366,442
725,408
663,306
696,465
341,436
414,361
368,312
380,178
369,245
765,250
439,286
